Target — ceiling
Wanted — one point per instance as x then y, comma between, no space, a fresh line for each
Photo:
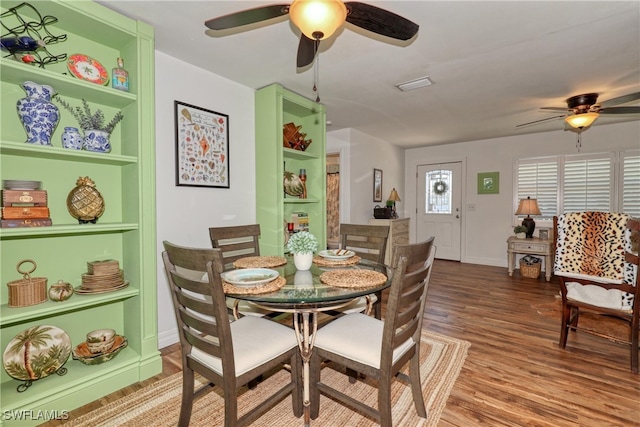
492,64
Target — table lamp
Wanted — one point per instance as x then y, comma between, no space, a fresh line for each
394,197
528,207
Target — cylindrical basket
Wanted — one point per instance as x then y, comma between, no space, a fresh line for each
530,270
29,290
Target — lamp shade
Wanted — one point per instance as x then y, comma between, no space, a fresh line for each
528,207
579,121
394,196
318,19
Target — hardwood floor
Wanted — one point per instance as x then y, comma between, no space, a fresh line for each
515,374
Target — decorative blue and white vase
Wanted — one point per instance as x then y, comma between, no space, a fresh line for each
38,114
97,140
71,138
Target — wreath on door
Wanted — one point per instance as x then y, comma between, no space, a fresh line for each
440,187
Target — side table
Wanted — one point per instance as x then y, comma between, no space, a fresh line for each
533,246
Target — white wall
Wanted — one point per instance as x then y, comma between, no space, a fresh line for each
184,214
359,155
486,229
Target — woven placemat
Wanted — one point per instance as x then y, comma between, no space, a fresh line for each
352,278
260,262
324,262
271,286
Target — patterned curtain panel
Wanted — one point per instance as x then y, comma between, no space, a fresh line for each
333,205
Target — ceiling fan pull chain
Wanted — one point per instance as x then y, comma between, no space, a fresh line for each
579,141
316,75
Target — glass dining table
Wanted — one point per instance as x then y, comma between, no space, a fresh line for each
305,295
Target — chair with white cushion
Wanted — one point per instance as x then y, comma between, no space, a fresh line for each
235,242
227,354
598,272
380,348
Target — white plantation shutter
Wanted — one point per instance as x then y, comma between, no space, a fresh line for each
587,184
538,179
583,182
631,183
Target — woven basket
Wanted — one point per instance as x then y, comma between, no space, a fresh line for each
530,270
29,290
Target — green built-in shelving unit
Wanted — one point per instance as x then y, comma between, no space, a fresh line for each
126,231
276,106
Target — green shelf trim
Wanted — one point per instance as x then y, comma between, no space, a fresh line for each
67,85
300,201
46,152
61,230
78,375
297,154
13,315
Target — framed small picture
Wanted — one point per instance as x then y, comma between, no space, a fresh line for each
377,185
543,233
202,147
489,183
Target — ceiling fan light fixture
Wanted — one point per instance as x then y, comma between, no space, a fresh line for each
318,19
579,121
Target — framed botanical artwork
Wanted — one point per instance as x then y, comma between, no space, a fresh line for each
489,183
377,185
202,147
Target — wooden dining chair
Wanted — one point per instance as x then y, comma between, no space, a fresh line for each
227,354
380,348
237,242
368,242
598,270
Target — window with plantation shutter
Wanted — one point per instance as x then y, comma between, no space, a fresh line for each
583,182
631,183
587,184
538,179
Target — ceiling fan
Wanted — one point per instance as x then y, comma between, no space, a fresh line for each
583,110
319,19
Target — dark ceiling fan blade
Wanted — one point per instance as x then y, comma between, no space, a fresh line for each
555,108
246,17
380,21
307,49
620,100
620,110
540,121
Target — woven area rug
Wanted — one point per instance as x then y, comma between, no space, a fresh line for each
159,404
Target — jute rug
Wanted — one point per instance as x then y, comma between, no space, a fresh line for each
159,404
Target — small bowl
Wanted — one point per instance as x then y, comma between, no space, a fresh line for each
100,340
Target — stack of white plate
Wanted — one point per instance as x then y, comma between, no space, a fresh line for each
16,184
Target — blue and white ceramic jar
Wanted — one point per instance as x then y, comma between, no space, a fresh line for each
71,138
97,140
38,114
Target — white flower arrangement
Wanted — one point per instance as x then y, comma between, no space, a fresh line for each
302,243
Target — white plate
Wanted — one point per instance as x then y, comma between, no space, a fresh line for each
336,254
247,277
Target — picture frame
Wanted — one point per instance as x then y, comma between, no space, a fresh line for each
377,185
202,146
543,234
489,183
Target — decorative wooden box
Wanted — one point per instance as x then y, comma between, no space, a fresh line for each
19,223
24,197
25,212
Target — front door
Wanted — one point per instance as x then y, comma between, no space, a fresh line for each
439,203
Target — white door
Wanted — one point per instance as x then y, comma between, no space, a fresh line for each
439,204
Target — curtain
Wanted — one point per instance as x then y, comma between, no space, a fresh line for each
333,205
